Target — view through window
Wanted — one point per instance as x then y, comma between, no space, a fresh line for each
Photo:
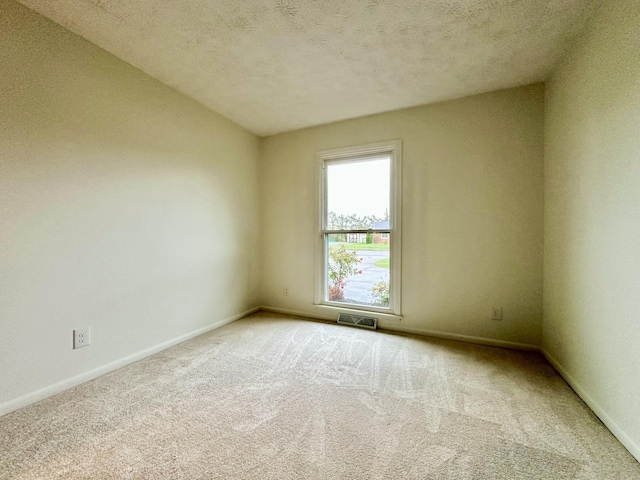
356,231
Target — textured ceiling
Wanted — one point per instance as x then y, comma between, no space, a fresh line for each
279,65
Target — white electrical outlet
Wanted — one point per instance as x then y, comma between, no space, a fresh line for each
285,291
81,337
496,313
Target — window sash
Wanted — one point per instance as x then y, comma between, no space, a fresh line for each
348,305
393,151
371,230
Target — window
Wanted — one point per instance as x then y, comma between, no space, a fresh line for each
358,257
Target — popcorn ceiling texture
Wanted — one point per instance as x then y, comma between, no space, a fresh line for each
279,65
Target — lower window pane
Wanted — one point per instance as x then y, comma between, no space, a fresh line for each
358,268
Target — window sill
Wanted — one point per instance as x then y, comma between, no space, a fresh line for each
334,310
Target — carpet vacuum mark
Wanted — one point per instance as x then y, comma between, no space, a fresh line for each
273,397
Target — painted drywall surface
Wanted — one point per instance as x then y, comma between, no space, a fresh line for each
124,206
472,212
592,212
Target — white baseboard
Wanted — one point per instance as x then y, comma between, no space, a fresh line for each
294,313
613,427
490,342
63,385
398,327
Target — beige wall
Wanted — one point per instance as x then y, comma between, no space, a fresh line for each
472,212
124,206
592,218
129,208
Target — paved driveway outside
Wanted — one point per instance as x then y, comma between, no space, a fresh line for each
358,287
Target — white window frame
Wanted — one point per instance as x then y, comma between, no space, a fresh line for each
393,148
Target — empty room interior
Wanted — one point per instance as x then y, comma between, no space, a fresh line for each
196,195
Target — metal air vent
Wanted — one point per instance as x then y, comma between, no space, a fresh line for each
358,321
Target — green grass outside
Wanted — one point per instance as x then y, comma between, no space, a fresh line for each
361,246
384,263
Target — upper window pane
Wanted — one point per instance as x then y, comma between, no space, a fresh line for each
358,193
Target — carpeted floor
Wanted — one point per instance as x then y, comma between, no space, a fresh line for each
271,397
